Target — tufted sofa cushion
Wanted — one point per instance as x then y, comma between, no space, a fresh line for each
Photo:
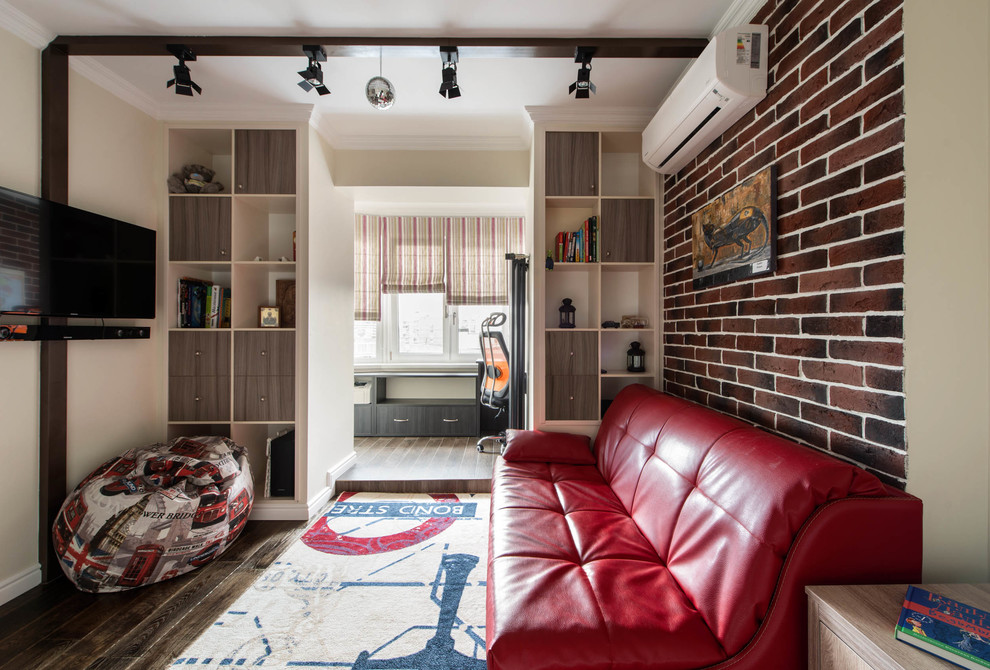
667,553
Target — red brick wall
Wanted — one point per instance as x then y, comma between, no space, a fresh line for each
814,351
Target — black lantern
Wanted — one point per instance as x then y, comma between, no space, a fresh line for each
567,314
635,358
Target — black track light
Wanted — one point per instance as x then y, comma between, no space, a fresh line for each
184,85
449,88
313,75
583,85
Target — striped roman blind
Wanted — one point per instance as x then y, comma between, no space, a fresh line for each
477,272
367,268
412,258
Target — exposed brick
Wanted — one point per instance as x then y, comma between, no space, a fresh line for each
740,393
867,351
679,352
789,326
736,292
859,51
833,139
722,309
876,89
805,175
761,123
879,10
884,166
777,403
876,300
783,286
841,39
884,58
839,183
708,384
870,145
709,326
800,388
756,415
808,45
708,354
797,346
802,219
783,366
760,380
722,341
793,18
832,418
757,307
757,163
885,379
888,272
722,404
803,431
837,90
740,359
808,304
871,248
738,325
722,372
845,326
803,134
845,13
870,455
885,326
884,111
831,280
837,373
754,343
868,402
884,432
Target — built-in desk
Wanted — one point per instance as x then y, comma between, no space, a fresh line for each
428,416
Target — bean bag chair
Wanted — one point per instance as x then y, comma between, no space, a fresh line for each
154,513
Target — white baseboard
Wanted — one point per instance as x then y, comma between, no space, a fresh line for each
334,473
319,500
279,510
20,583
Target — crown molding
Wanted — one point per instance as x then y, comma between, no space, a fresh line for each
740,12
92,69
23,26
633,118
235,112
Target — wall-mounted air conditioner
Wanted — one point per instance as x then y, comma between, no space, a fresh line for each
725,82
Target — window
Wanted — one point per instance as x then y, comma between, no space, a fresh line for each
419,328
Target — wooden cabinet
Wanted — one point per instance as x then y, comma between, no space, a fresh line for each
627,230
265,161
403,416
571,164
593,181
199,228
240,381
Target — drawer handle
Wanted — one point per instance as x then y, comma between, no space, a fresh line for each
196,398
198,353
572,353
223,252
264,353
451,420
262,398
401,420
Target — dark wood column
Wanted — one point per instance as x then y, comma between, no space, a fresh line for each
54,355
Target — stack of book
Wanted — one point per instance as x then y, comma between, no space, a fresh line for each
203,304
579,246
947,628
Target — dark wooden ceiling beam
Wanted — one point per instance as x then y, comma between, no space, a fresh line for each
407,47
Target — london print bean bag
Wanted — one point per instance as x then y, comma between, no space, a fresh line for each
154,513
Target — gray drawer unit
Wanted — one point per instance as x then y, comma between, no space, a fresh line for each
400,419
426,420
264,398
199,399
452,420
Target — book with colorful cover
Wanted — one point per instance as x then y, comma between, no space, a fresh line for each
225,308
946,628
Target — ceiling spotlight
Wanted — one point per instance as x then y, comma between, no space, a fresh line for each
184,85
449,88
379,91
583,84
312,76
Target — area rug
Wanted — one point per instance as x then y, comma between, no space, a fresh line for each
380,581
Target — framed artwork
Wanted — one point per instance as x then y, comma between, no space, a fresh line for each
735,236
268,317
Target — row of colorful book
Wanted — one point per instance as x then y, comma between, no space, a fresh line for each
203,304
579,246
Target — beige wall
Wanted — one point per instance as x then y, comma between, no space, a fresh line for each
331,325
947,270
431,168
20,169
114,387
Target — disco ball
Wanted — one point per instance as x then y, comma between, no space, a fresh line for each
380,92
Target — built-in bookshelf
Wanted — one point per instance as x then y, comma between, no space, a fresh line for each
235,374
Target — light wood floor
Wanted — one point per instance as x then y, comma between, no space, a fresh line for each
418,465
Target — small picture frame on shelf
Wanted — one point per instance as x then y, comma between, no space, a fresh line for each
268,316
633,321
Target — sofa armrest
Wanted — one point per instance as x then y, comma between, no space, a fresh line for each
543,447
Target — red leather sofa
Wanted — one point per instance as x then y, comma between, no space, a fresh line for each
684,541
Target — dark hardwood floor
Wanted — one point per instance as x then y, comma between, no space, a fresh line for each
57,627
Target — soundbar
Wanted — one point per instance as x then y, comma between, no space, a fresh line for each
21,333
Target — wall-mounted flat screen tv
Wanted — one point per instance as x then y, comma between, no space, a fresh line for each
62,261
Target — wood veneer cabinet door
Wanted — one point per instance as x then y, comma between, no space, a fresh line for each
265,161
572,164
258,353
572,353
627,231
199,399
259,398
198,354
572,398
199,228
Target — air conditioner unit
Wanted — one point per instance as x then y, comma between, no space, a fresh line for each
725,82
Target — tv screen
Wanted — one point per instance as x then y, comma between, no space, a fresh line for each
57,260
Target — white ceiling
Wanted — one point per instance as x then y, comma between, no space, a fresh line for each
490,114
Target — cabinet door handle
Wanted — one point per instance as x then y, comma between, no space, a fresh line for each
401,420
262,398
196,398
451,420
198,353
223,252
264,353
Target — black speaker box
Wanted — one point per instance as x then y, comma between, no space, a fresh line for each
282,465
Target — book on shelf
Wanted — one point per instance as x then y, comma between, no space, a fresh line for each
578,246
202,304
947,628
